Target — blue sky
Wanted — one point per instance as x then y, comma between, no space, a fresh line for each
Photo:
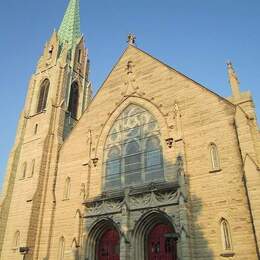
195,37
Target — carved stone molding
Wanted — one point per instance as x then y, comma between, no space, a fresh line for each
129,202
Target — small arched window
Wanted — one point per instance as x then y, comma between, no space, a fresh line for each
36,129
74,100
61,248
77,226
24,169
225,235
43,96
16,240
215,164
32,168
66,194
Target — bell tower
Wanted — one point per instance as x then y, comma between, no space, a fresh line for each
58,93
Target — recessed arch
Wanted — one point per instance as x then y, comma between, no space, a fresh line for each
96,231
144,226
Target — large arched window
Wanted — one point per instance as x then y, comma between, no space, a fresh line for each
42,101
133,153
74,100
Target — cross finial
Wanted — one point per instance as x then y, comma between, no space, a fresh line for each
131,39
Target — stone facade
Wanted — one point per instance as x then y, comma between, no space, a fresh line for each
58,205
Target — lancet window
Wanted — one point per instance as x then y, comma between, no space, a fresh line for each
215,164
61,248
74,99
226,235
44,90
133,152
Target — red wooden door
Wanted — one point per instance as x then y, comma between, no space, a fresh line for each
109,246
160,245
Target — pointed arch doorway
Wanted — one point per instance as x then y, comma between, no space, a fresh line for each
109,245
161,244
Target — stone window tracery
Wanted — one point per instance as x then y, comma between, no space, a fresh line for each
133,153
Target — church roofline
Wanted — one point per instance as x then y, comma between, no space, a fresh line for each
180,73
164,64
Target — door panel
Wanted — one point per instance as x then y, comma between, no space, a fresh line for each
160,244
109,246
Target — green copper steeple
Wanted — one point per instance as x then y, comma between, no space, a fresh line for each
69,31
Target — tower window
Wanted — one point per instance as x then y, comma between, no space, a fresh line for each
215,164
79,55
24,169
44,89
74,99
66,193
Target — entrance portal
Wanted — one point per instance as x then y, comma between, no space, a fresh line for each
109,246
161,244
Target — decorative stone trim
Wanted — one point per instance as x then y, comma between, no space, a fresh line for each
146,198
169,142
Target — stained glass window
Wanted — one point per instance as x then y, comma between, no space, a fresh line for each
133,152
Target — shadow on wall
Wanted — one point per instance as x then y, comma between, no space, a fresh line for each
201,249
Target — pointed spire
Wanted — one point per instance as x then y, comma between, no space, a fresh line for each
233,80
69,31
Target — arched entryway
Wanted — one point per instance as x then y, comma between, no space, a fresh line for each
161,243
109,245
154,237
103,241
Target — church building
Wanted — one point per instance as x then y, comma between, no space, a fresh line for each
155,166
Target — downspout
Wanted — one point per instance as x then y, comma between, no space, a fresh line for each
247,193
